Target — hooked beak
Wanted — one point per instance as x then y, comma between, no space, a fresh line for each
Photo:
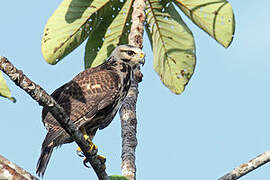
142,59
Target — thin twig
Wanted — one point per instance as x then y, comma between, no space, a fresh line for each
247,167
9,170
128,109
45,100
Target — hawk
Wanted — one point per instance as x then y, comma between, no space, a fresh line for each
91,99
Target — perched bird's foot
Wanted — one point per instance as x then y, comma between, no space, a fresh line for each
100,157
79,152
102,160
92,149
85,161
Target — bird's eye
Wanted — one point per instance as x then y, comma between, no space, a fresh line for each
130,53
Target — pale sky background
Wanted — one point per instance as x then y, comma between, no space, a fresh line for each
218,123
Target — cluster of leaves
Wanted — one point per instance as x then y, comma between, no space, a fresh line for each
106,24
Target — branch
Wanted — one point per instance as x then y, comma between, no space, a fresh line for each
45,100
247,167
9,170
135,37
128,109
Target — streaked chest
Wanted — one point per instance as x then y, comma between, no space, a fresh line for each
125,75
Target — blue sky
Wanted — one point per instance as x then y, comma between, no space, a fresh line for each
218,123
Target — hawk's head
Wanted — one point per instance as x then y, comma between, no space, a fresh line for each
129,54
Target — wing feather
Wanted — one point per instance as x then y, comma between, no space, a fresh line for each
84,96
55,96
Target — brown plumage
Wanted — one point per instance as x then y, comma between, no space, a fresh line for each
91,99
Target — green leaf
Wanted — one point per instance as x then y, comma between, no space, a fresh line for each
213,16
172,43
68,27
117,177
4,90
112,31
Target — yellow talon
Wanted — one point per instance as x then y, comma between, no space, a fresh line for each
92,147
85,135
85,161
79,152
102,159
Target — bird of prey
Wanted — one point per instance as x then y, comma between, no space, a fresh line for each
91,99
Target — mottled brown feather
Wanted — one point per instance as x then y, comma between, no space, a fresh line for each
88,92
55,96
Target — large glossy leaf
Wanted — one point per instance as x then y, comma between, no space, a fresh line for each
172,43
112,31
68,27
213,16
4,90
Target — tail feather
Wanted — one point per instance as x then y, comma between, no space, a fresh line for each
46,152
43,160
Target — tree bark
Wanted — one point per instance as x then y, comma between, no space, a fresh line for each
45,100
128,109
9,170
247,167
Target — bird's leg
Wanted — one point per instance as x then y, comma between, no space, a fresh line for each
93,149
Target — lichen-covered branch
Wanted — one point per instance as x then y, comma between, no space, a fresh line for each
45,100
128,109
247,167
129,129
135,37
9,170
